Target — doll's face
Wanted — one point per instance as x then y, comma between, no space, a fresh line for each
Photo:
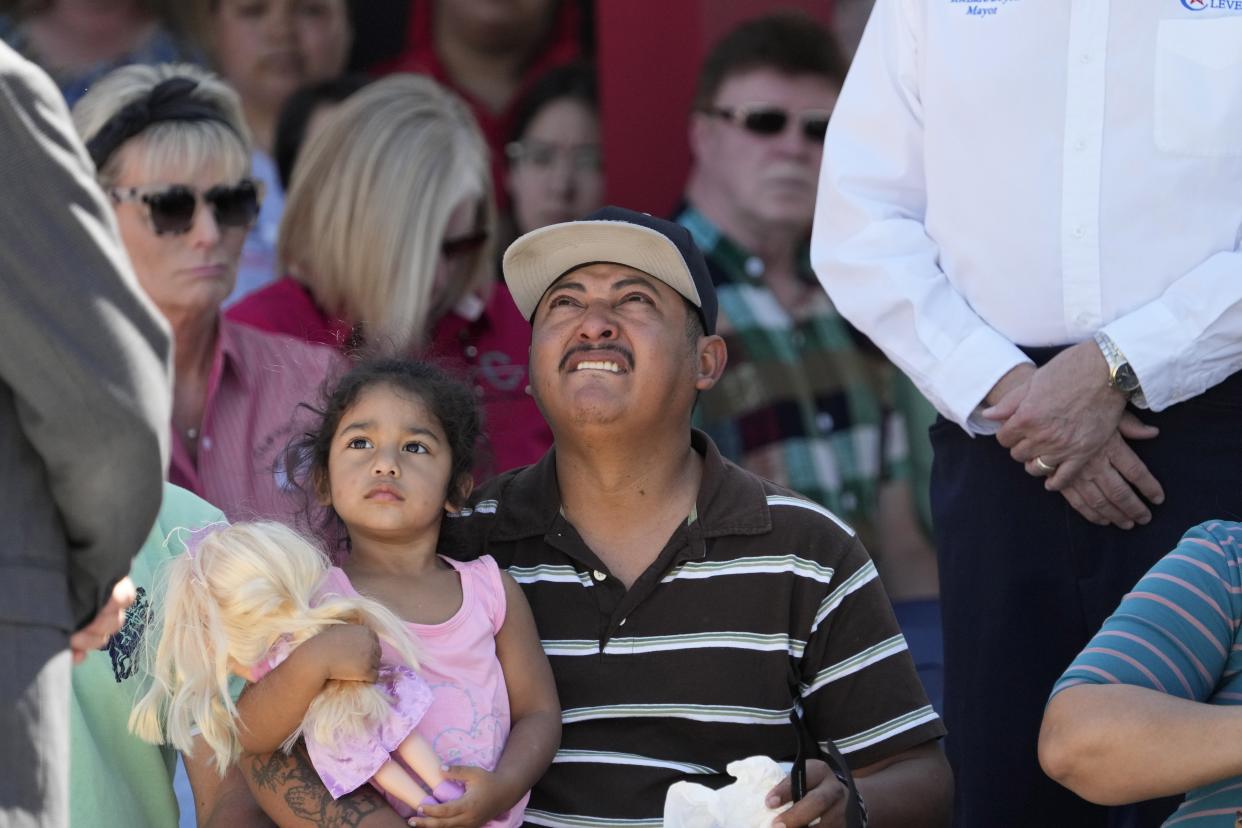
389,467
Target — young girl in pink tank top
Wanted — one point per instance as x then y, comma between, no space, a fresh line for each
391,455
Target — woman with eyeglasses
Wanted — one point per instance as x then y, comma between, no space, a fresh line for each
555,168
172,152
386,242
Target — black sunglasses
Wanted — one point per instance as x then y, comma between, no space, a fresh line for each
172,208
762,119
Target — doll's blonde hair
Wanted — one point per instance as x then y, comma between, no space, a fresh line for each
226,602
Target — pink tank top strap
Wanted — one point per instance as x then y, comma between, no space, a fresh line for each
489,590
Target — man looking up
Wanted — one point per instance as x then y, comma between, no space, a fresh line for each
687,606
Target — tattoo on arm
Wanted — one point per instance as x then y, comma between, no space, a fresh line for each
289,782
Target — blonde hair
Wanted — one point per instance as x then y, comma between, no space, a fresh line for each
226,603
180,145
371,198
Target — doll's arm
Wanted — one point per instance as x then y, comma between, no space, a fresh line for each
273,707
535,732
290,792
220,802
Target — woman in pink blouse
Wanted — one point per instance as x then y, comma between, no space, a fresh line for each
386,243
172,152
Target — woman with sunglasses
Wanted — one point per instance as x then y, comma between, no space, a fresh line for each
387,240
172,153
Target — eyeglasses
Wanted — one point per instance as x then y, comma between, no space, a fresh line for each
543,156
466,245
172,208
763,119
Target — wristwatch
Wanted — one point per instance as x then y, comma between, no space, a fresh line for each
1120,375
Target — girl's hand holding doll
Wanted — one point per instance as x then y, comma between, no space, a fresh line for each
270,710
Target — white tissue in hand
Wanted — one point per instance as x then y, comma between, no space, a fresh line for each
740,805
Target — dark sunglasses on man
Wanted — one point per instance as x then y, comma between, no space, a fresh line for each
171,209
766,119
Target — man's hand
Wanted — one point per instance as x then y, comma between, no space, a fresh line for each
1064,415
110,618
1017,379
824,800
1104,490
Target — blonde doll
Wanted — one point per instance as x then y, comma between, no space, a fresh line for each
240,601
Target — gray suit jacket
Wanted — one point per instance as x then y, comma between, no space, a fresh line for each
84,371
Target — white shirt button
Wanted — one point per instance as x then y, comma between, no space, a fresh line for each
824,421
597,575
472,351
1080,231
1080,145
1084,58
206,443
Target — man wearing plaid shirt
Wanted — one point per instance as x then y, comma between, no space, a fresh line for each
807,402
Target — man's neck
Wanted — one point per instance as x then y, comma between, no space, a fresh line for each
627,496
777,245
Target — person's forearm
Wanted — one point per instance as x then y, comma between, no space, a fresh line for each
234,806
529,750
289,791
271,709
1114,744
915,792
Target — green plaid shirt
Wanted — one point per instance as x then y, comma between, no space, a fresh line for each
803,402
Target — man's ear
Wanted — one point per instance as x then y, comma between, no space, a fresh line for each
463,488
713,355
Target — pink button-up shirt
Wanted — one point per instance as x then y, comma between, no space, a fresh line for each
256,384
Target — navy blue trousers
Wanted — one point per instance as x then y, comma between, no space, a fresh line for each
1025,582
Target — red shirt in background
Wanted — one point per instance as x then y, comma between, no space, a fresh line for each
563,45
488,351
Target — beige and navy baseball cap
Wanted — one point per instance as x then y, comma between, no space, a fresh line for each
657,247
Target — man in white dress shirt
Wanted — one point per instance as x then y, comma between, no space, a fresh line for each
1034,208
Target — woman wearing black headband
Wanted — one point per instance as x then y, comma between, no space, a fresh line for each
173,154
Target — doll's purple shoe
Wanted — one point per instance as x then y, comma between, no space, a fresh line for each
448,790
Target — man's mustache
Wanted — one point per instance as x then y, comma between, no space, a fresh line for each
577,349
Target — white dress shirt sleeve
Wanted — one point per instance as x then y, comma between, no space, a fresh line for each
870,246
1189,338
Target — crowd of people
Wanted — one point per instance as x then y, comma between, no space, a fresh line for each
362,463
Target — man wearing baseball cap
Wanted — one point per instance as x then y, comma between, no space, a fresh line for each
688,607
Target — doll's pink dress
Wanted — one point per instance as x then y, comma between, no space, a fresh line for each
354,761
